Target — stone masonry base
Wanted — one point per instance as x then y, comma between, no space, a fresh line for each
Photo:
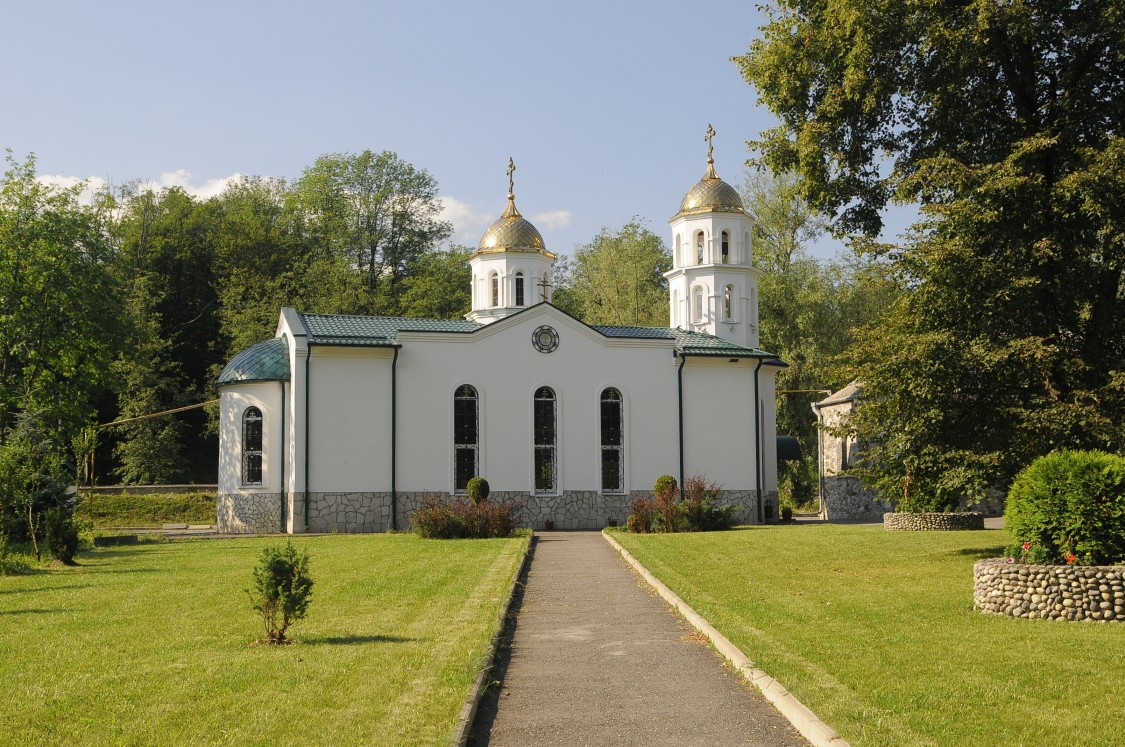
371,512
932,522
1049,592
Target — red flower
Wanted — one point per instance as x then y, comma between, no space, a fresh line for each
1070,557
1026,545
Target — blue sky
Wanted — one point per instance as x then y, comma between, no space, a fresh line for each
603,105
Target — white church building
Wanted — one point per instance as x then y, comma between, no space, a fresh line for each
345,423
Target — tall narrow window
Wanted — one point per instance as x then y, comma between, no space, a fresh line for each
613,443
494,280
699,247
544,433
726,247
252,446
519,289
465,436
728,291
697,303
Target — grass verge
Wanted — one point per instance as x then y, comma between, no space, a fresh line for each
149,644
875,632
110,511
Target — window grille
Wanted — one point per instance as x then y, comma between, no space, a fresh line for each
465,437
613,442
519,289
544,432
252,446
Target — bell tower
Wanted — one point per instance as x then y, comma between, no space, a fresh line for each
511,268
713,284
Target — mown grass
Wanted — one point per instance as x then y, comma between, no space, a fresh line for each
151,644
875,632
110,511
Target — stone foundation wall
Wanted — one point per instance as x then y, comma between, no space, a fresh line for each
371,511
1052,592
932,522
845,499
253,513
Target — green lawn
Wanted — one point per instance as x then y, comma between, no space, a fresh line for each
874,631
150,644
110,511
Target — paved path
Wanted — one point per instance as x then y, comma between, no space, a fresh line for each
596,658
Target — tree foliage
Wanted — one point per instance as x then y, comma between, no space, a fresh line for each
618,278
1003,121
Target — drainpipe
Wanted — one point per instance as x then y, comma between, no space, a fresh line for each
283,447
394,415
308,352
758,443
680,396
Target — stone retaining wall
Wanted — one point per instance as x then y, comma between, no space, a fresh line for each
1055,592
371,511
932,522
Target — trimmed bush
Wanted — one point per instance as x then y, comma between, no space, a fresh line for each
462,519
282,589
1069,507
478,490
663,483
61,534
698,511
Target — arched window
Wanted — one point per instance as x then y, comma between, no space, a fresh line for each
494,281
252,446
728,291
726,247
697,305
543,428
613,442
699,247
465,436
519,289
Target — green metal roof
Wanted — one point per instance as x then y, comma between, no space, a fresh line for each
374,331
265,361
687,341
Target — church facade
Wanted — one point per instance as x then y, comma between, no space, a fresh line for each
345,423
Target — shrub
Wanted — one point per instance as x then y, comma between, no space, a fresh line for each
666,510
282,589
478,490
1069,507
663,483
640,516
463,519
61,534
701,511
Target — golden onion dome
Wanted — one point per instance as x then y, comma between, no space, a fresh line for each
512,232
711,194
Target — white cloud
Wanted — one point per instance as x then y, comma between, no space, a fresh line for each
552,219
182,178
94,184
468,224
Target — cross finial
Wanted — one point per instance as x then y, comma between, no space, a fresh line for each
511,177
710,147
543,284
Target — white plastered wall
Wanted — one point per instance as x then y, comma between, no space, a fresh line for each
234,400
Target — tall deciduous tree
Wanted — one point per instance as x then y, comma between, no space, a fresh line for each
618,278
378,212
1003,120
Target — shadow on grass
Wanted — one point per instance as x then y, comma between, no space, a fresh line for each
980,553
354,640
34,611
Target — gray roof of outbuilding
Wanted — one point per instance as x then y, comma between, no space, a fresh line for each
265,361
849,393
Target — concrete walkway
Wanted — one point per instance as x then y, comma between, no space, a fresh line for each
595,658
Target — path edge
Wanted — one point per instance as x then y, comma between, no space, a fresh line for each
476,693
797,713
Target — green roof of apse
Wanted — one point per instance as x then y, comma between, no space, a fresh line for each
265,361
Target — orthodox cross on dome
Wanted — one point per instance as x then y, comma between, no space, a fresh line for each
710,150
511,211
543,284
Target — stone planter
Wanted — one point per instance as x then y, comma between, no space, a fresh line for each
1050,592
932,522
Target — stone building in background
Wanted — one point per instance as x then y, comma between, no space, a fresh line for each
843,497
